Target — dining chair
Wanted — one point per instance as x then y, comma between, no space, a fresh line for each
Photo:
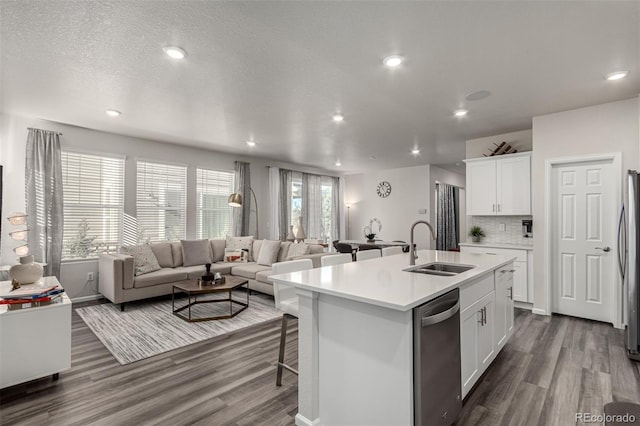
287,301
367,254
346,248
335,259
389,251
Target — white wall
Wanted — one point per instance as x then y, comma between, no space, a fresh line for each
522,141
13,136
413,190
611,127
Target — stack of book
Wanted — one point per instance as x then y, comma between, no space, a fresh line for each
30,294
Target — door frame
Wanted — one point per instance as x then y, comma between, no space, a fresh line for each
616,290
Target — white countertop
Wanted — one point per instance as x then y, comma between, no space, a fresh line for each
383,281
500,245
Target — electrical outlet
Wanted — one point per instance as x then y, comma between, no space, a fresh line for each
502,227
89,276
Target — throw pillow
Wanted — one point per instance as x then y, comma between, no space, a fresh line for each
241,243
176,252
218,246
297,249
144,261
162,251
195,252
268,252
235,256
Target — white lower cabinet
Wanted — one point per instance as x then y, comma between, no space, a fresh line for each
486,323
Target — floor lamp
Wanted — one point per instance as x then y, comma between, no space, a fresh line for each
235,200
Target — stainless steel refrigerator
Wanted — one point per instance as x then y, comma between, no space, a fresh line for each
629,262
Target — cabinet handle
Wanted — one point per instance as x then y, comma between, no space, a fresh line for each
484,315
510,293
481,320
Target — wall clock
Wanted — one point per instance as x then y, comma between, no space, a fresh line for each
384,189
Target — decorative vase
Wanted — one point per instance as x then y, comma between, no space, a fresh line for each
291,236
27,272
475,238
300,234
371,241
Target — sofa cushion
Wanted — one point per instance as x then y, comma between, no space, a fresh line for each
195,252
162,276
297,249
163,253
176,251
249,270
315,248
263,276
217,249
284,251
268,254
144,261
240,243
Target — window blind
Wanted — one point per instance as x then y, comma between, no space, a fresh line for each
93,196
161,202
214,215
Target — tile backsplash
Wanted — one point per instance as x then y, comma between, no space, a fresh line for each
512,233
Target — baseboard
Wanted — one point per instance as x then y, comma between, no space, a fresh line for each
87,298
539,311
523,305
303,421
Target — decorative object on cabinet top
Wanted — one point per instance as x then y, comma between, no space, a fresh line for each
503,148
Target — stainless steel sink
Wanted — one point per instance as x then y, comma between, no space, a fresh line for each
440,268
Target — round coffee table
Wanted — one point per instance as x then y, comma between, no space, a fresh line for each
196,289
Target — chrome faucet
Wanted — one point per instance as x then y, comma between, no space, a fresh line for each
412,249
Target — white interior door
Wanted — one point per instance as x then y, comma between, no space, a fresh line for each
583,239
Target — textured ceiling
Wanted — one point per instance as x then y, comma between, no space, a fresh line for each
276,71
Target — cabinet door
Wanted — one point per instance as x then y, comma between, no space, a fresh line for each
481,188
486,341
469,325
502,297
513,176
520,282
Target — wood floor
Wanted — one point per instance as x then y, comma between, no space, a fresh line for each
551,368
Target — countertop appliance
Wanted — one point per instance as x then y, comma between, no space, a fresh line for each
629,262
527,228
436,361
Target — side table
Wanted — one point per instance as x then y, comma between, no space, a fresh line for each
36,341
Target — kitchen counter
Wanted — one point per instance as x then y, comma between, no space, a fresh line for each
383,281
500,245
355,333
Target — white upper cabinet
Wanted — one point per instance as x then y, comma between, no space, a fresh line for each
499,186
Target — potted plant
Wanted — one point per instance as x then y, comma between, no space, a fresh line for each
476,233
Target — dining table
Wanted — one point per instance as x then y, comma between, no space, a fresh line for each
379,243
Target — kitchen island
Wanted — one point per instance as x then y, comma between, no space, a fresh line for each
355,343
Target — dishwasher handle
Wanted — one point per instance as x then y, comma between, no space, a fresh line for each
441,316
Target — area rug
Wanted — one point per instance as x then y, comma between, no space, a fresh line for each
148,328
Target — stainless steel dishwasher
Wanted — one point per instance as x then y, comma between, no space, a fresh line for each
436,361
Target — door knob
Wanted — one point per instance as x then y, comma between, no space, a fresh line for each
605,249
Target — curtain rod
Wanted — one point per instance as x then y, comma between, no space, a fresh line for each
50,131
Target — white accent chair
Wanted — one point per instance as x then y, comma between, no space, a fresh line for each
367,254
335,259
390,251
287,301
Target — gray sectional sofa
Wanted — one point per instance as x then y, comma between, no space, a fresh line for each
118,283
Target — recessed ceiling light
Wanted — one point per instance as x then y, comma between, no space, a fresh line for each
113,112
460,112
175,52
337,117
393,61
478,95
415,151
617,75
371,157
338,163
251,143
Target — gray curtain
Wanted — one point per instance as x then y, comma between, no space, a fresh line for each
285,202
43,187
241,216
447,220
336,210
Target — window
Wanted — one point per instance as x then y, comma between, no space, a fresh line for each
93,196
319,220
161,202
214,215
